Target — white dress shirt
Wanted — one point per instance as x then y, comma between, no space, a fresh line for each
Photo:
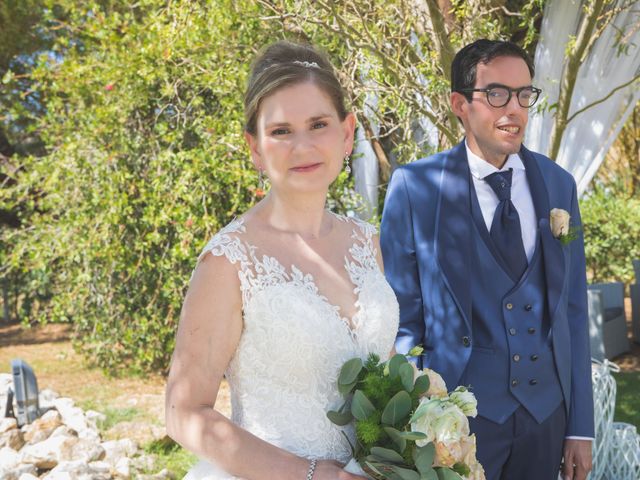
520,196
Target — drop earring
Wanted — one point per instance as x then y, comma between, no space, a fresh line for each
347,167
260,179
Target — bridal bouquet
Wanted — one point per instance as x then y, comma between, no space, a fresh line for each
408,427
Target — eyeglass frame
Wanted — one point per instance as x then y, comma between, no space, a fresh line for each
511,91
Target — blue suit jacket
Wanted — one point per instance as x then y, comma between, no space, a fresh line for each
426,242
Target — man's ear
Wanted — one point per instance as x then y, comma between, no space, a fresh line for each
256,158
459,104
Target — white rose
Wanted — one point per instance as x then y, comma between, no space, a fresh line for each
465,400
559,220
437,387
451,425
425,416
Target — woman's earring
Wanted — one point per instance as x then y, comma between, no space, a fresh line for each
260,179
347,167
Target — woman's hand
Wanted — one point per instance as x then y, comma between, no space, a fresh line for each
332,470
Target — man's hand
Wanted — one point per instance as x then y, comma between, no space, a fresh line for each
577,459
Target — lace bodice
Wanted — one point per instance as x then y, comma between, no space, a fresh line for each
283,374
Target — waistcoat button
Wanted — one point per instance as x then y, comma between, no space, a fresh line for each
514,382
512,331
533,381
466,341
509,306
534,357
528,307
531,330
516,358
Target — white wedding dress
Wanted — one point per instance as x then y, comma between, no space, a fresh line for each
283,374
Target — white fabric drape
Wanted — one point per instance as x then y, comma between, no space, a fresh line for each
589,135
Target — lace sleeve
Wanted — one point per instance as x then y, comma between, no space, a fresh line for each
227,243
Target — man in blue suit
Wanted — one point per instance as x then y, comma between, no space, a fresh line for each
493,290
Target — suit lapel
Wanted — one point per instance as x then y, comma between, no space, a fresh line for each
454,229
553,254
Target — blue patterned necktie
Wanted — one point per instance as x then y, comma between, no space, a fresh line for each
505,228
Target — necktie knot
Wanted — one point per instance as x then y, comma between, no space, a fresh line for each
500,182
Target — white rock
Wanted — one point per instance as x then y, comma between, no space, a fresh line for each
44,455
73,417
101,467
76,470
9,458
64,431
116,449
7,423
122,469
144,462
94,418
28,476
81,449
12,438
17,472
42,427
6,381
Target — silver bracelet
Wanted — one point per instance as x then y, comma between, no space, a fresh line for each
312,468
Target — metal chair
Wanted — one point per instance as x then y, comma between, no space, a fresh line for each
614,324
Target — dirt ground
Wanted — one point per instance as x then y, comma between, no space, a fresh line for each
47,349
58,367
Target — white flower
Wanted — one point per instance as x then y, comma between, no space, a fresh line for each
437,387
559,220
465,400
440,421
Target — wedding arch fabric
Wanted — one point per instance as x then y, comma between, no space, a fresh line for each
589,135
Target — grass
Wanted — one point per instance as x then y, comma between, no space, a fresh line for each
628,398
171,456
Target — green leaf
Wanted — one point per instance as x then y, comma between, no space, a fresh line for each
339,418
421,384
406,376
461,469
406,474
398,439
350,371
429,474
416,351
394,364
397,408
361,406
387,454
445,473
345,389
423,457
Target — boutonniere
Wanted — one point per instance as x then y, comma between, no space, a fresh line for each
559,220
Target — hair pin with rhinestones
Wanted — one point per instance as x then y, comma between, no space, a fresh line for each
306,64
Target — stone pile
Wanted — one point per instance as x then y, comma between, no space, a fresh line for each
65,444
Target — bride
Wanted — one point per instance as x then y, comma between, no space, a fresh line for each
283,295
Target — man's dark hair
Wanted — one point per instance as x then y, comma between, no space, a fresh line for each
465,63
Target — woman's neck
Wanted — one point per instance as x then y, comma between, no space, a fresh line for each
303,215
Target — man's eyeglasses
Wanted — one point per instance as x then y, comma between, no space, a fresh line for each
499,95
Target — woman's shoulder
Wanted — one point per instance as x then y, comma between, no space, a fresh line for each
228,242
360,226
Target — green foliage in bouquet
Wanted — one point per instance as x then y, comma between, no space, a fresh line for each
382,399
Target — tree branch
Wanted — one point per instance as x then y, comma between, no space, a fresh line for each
603,99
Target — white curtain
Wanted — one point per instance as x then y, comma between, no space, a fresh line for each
589,135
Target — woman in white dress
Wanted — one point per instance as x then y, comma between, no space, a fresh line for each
283,295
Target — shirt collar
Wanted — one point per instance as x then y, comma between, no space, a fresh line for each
481,168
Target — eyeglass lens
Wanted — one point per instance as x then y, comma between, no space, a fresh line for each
499,97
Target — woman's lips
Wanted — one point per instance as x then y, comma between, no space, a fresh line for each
306,168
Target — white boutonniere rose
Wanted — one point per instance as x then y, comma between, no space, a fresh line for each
559,220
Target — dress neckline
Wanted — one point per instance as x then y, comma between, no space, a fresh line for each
264,263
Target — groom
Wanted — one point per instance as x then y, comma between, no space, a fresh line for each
494,292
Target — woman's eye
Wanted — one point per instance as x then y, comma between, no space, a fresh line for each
319,125
279,131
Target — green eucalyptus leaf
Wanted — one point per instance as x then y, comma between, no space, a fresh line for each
406,376
345,389
423,457
397,437
445,473
350,371
361,406
394,364
406,474
413,435
461,469
339,418
397,408
421,384
429,474
387,454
